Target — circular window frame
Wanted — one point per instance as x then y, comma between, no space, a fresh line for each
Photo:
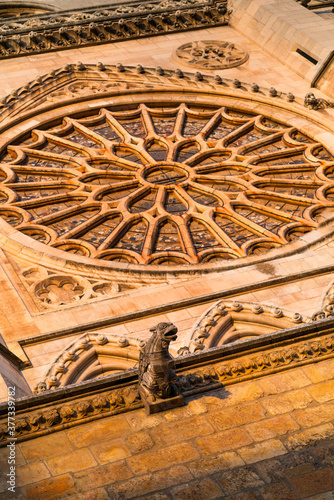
288,114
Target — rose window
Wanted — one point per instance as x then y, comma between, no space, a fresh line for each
166,185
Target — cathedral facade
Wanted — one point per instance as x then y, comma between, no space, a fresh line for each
167,170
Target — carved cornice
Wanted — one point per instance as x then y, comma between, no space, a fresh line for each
51,417
74,83
72,29
273,361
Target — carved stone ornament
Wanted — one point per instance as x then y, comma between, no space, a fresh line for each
210,55
59,289
313,102
156,371
56,31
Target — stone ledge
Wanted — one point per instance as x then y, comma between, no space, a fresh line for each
59,409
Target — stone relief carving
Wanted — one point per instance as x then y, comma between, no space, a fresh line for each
313,102
210,55
65,82
56,32
51,290
61,289
156,371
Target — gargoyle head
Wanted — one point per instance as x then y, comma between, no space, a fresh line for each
165,331
310,100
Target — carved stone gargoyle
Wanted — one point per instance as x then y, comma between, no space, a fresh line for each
156,371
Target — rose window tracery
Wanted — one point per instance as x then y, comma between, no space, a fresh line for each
166,185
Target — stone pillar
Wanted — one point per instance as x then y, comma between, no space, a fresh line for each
10,375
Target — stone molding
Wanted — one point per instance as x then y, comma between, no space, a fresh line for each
44,90
59,31
210,330
172,306
125,351
197,373
77,354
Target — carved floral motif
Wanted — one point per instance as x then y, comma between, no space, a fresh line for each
56,32
59,290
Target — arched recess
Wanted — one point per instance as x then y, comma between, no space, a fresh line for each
226,322
91,356
326,303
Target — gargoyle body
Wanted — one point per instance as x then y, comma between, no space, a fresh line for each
156,365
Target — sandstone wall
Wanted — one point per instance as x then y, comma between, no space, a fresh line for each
265,439
297,37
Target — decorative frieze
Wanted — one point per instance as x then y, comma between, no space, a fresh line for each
189,382
58,32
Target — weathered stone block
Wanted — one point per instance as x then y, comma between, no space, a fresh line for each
309,436
309,417
110,451
141,486
278,491
87,434
139,442
180,431
224,441
31,473
71,462
287,402
234,417
262,451
139,421
100,476
162,458
322,392
49,488
315,482
321,371
211,465
239,480
207,489
45,447
284,382
271,428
